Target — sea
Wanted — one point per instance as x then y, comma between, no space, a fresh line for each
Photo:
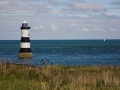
64,52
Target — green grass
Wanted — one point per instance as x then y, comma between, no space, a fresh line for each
21,77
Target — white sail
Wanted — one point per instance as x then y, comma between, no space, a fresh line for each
104,39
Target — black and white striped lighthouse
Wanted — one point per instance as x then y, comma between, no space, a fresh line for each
25,50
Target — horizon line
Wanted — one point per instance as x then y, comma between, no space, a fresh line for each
63,39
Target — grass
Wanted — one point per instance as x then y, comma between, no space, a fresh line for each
52,77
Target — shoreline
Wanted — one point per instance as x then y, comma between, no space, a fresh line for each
50,64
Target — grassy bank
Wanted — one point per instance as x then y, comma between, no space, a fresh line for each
21,77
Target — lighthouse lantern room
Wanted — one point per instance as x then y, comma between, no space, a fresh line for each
25,50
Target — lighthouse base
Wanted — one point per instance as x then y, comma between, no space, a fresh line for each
25,55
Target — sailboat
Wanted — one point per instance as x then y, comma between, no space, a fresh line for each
104,40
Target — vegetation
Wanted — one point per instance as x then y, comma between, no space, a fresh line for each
23,77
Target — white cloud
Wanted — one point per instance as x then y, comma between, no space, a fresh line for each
55,11
54,2
74,24
34,7
22,7
38,27
98,29
116,3
88,7
112,29
53,27
83,29
3,3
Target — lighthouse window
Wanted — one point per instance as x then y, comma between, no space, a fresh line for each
24,25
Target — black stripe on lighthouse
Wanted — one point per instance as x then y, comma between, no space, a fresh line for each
25,50
25,27
25,39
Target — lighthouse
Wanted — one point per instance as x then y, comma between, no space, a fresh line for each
25,50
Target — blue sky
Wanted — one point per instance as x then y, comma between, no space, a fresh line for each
60,19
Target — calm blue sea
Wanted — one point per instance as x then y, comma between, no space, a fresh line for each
64,52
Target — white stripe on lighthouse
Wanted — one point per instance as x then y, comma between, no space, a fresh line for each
25,33
25,45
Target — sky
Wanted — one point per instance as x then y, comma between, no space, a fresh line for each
60,19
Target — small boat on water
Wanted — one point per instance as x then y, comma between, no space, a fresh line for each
104,40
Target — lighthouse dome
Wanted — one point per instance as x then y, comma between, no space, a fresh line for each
25,25
25,21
